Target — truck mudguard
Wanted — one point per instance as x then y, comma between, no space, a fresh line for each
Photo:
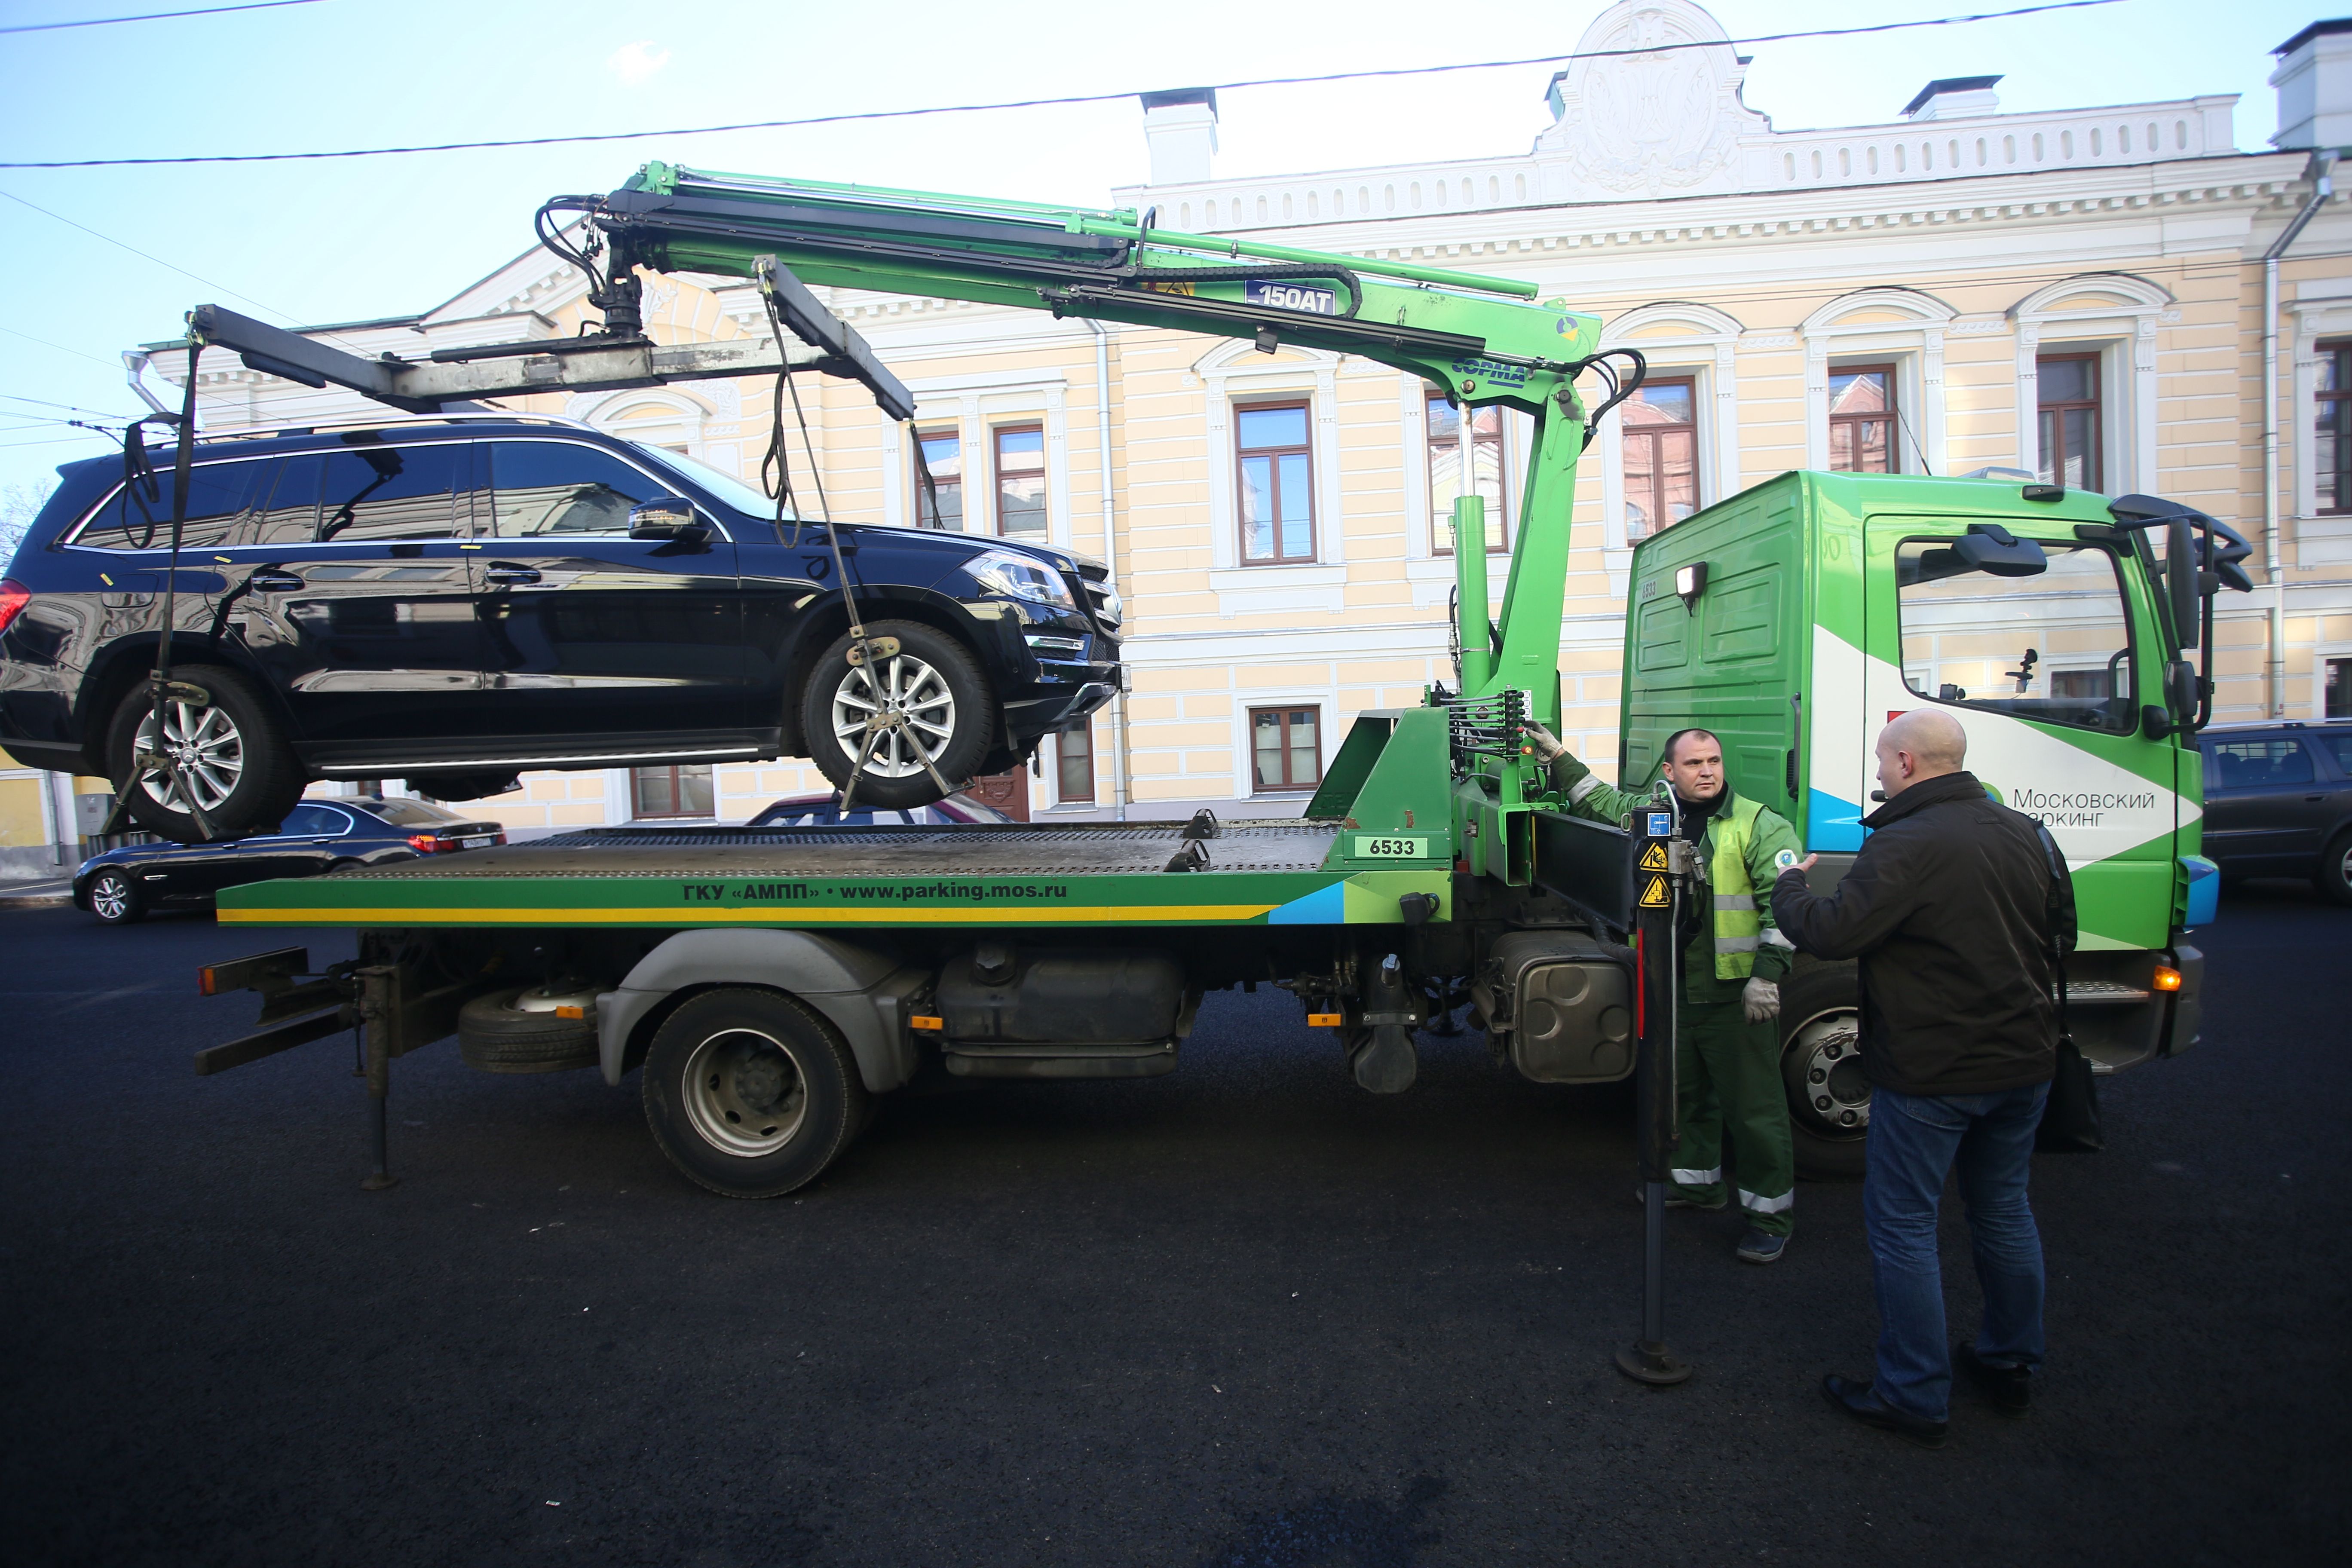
861,991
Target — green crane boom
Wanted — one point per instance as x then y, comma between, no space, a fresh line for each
1482,340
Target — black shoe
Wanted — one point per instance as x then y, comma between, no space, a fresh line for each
1861,1400
1675,1200
1760,1246
2010,1388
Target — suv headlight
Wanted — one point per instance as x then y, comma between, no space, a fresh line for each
1019,577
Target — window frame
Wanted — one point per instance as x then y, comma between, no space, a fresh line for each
2045,408
2340,400
1283,712
919,509
678,771
1441,522
1305,403
1891,416
996,434
1627,431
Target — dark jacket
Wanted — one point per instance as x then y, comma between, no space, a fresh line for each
1953,906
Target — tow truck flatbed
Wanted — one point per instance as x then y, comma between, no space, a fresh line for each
1287,871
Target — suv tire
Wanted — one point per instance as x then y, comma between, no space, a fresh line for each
249,779
934,680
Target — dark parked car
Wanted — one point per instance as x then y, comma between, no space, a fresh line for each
317,836
2278,802
454,598
825,811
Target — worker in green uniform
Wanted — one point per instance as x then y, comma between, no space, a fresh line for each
1727,1053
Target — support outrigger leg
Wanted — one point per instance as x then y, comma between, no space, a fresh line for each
377,1005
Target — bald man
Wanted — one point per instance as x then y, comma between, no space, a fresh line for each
1959,909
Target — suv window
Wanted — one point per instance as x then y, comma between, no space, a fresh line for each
2338,743
218,494
547,488
2256,764
393,493
289,513
2054,647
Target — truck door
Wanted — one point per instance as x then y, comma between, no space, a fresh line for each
597,640
2047,672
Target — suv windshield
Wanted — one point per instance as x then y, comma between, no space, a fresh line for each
732,492
2055,646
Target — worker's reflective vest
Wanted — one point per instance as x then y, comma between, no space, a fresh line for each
1737,924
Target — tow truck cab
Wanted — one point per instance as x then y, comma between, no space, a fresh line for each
1796,619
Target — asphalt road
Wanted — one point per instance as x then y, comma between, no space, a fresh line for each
1246,1315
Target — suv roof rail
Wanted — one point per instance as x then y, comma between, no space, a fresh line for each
324,426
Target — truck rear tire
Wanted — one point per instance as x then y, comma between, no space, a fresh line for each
1821,1067
749,1093
494,1035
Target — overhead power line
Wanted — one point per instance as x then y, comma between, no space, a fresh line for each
152,16
1065,99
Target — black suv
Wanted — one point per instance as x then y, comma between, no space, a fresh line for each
2278,802
453,599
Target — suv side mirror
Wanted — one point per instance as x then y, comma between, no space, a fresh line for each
667,517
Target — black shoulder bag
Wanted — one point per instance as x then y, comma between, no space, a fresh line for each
2069,1117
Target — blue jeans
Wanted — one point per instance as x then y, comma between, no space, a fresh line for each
1915,1141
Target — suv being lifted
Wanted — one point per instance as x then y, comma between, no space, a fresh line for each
455,598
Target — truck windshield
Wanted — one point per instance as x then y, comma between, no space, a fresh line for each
2053,646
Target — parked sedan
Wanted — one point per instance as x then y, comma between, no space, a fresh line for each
318,836
825,811
2278,802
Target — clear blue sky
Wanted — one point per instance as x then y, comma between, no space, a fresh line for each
339,241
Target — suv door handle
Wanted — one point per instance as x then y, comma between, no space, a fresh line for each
505,574
274,583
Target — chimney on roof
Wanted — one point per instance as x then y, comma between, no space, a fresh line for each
1954,98
1181,129
2313,79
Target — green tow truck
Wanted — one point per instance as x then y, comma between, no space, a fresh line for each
767,984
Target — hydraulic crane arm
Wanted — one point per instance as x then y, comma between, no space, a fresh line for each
1482,340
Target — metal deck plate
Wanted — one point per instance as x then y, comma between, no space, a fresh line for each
1026,849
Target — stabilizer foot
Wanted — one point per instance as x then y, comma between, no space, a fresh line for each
1647,1360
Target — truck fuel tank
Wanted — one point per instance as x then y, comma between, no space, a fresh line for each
1011,1011
1563,1002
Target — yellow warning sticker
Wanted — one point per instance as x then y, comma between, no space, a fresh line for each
1654,894
1654,858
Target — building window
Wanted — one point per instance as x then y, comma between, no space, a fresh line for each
1444,424
1073,759
1660,423
2070,420
671,791
942,453
1021,480
2331,444
2336,698
1286,748
1862,419
1277,483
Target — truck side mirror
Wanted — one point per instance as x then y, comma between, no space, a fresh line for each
1988,547
2181,690
2180,581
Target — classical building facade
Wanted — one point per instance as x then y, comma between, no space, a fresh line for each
2080,294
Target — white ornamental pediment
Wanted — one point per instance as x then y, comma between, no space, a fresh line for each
1649,106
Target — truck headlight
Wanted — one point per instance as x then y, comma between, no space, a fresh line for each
1019,577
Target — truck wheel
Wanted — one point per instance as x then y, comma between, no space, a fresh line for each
2334,878
933,685
1821,1067
518,1030
237,765
116,899
749,1093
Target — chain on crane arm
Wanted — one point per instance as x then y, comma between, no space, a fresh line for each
867,652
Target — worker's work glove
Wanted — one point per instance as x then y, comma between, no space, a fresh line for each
1546,745
1760,999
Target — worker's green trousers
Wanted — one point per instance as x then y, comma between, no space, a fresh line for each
1727,1073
